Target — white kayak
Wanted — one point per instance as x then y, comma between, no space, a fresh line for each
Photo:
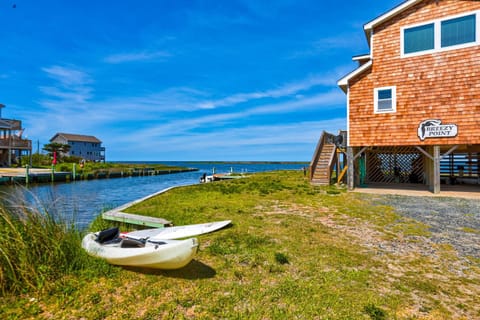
165,254
177,232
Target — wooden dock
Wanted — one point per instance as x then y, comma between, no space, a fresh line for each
118,214
136,219
32,175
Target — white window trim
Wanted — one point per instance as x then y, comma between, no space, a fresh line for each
394,100
437,35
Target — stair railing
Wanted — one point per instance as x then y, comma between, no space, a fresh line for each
316,155
324,139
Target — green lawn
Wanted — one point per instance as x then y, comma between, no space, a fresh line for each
294,251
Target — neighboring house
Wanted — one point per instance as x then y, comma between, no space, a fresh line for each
86,147
12,146
413,103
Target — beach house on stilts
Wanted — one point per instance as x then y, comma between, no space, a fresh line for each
12,145
413,103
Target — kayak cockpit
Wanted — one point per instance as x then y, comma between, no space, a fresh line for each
111,237
108,235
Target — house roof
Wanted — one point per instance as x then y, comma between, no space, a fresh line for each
5,124
343,83
368,27
76,137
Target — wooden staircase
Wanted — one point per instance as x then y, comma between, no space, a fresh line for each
324,159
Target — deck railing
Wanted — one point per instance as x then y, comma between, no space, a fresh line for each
14,143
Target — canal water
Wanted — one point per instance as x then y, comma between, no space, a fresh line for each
82,201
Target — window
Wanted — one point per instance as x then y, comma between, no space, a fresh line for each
451,33
419,38
385,99
458,31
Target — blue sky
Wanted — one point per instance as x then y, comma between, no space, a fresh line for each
182,79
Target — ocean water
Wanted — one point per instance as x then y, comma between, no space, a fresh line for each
82,201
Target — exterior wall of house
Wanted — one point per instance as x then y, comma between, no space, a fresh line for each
60,139
86,150
443,85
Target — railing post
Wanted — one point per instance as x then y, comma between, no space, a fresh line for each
350,169
436,169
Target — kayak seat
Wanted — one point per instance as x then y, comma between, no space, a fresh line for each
108,235
132,243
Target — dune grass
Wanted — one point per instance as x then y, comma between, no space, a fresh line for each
294,251
37,248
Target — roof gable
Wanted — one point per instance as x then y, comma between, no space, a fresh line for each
343,83
368,27
365,61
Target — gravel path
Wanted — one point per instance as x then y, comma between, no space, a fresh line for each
452,221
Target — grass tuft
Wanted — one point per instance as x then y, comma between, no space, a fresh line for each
281,258
375,312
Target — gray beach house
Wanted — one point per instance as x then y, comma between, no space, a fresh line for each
86,147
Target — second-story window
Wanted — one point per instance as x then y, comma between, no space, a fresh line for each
451,33
385,99
458,31
419,38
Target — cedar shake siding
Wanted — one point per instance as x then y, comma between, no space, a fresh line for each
441,85
413,104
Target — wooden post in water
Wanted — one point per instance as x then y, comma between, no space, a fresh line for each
27,174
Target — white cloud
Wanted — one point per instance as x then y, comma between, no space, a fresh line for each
294,141
136,56
183,126
67,76
289,89
79,95
71,88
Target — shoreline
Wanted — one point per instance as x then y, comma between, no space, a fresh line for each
11,176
